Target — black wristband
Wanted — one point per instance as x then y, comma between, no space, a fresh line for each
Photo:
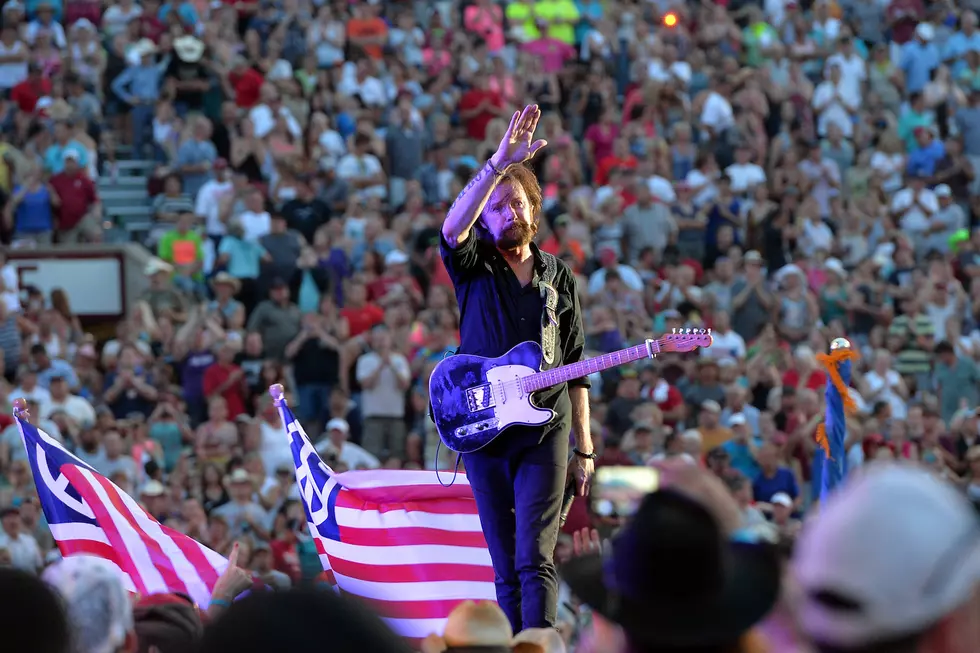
495,169
580,454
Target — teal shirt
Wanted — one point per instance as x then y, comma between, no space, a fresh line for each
244,257
169,437
907,124
309,560
32,5
742,459
588,11
54,156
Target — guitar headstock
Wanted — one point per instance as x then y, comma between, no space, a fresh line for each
684,340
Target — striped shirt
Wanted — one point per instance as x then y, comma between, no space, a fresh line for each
912,359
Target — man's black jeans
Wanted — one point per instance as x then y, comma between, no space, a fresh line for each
519,488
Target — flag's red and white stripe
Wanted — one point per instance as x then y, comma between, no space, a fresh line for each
398,540
89,515
412,561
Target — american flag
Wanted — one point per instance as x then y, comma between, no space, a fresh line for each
396,539
89,515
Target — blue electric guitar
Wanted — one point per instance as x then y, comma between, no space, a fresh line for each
474,399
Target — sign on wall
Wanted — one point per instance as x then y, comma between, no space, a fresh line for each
93,283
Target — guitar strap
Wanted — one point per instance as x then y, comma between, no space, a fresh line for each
549,313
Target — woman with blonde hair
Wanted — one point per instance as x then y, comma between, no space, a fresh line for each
888,161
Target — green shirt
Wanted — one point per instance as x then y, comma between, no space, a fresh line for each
756,38
181,249
559,10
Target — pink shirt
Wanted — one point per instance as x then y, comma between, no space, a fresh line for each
435,61
504,86
552,52
602,139
487,23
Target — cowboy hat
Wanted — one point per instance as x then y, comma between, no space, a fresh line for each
471,625
671,577
59,110
547,640
189,49
225,278
144,47
157,265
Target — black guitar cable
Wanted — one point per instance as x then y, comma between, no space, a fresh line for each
459,459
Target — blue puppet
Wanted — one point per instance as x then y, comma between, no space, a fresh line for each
831,435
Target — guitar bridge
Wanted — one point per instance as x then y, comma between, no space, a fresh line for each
476,427
479,397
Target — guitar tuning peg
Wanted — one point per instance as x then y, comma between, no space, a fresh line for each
709,332
674,330
689,331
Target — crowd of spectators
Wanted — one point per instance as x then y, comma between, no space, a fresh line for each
783,173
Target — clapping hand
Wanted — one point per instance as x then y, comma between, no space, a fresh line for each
517,146
586,542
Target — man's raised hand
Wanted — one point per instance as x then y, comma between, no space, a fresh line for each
517,145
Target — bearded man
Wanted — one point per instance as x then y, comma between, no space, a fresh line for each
498,273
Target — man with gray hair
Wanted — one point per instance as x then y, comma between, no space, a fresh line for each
100,614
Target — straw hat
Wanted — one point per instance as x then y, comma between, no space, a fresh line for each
60,110
226,279
473,624
156,265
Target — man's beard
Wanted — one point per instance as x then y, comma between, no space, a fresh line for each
516,235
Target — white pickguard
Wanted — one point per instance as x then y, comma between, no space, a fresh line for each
511,404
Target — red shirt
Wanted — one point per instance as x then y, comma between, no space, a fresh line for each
151,27
247,86
77,193
361,320
285,559
27,93
381,286
816,381
234,395
476,127
629,199
606,165
673,400
440,275
243,8
578,516
904,16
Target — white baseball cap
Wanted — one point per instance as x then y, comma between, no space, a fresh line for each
396,257
338,424
781,499
895,550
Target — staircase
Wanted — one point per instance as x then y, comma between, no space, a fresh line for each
124,199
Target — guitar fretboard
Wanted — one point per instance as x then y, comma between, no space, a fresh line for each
566,373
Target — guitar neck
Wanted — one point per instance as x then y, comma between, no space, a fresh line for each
566,373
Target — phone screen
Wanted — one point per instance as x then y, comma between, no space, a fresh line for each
617,491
